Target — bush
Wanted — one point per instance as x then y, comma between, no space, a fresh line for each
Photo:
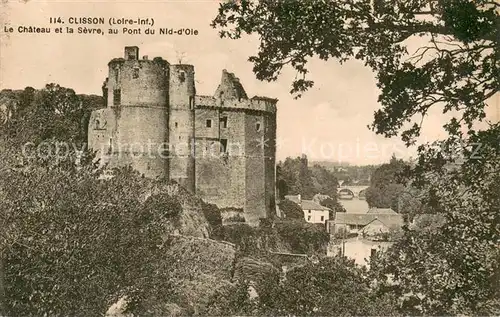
332,287
303,237
291,209
77,248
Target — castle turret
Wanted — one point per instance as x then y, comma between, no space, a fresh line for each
181,125
137,92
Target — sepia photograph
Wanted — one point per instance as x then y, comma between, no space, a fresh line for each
249,158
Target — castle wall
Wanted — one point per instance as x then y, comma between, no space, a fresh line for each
222,147
181,125
140,136
137,115
98,132
255,206
270,163
220,177
141,83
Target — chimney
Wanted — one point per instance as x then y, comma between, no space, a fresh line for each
131,53
145,57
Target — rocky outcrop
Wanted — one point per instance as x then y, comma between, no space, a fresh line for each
198,268
191,221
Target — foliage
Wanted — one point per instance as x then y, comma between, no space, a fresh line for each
387,185
333,204
247,239
77,248
294,236
331,287
456,68
53,112
291,209
294,177
232,301
349,174
324,181
427,56
303,237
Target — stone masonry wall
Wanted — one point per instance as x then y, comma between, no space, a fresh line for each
222,147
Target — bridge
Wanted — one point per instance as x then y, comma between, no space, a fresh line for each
354,189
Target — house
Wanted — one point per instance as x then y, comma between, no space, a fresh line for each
371,223
313,212
375,210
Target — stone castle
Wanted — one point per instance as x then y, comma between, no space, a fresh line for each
220,147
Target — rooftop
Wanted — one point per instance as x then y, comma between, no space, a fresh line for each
388,219
375,210
311,205
306,204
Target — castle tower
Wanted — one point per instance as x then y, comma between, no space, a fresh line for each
137,93
181,125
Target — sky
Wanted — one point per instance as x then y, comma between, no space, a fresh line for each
328,123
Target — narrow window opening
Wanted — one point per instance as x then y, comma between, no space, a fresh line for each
191,102
110,146
117,95
209,123
182,76
176,124
322,218
257,127
223,122
223,145
135,73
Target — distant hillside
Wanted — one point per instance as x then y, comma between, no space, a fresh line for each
349,174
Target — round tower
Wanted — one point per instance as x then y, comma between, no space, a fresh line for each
137,92
181,125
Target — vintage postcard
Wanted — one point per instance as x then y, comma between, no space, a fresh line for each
249,158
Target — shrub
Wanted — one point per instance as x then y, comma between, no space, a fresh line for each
291,209
303,237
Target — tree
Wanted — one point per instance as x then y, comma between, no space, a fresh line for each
455,69
53,112
76,249
331,287
325,181
291,209
462,36
333,204
296,177
387,185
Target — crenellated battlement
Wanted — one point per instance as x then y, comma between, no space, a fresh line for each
256,103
